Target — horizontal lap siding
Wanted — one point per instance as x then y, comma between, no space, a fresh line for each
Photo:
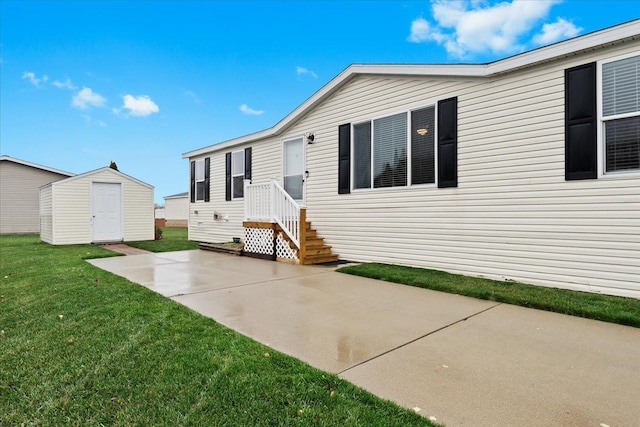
138,211
177,209
72,209
19,196
72,212
512,216
46,215
202,225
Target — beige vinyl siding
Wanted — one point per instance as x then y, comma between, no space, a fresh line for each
46,214
72,200
176,209
72,211
19,196
138,211
513,216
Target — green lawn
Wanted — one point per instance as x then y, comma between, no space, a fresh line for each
625,311
173,239
80,346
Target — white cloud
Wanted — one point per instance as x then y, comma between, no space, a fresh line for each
87,98
192,95
469,27
559,30
28,75
302,70
64,85
139,106
89,121
422,31
245,109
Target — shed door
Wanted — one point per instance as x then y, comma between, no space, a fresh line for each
106,208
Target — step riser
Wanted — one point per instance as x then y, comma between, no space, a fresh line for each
311,261
316,252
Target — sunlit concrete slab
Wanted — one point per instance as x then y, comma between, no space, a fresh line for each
330,320
464,361
134,262
512,366
178,273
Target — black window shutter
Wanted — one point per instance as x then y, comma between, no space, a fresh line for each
580,126
207,163
227,174
193,182
247,163
448,143
344,159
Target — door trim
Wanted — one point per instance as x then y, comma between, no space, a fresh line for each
91,194
304,165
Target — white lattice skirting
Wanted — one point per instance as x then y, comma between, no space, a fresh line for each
283,250
260,241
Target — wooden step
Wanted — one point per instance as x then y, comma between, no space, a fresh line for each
319,250
311,233
320,259
314,242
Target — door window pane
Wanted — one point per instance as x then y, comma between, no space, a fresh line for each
294,167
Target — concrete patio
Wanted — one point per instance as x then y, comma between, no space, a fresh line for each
462,361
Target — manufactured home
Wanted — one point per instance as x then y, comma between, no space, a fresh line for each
100,206
177,209
20,181
526,169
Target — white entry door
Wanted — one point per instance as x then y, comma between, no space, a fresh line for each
106,209
293,168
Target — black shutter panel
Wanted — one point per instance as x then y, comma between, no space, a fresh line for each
448,143
344,159
207,163
247,163
227,174
193,182
580,126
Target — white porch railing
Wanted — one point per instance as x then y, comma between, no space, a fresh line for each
270,202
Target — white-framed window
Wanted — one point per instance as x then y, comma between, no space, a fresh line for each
237,174
199,179
395,151
619,114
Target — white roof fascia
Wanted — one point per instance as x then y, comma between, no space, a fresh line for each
35,165
177,196
589,41
575,45
82,175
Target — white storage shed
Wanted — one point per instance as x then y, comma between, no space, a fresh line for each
99,206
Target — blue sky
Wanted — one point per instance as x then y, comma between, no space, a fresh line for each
141,82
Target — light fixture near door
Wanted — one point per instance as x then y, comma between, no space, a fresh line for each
310,138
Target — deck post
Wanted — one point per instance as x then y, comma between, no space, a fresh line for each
302,250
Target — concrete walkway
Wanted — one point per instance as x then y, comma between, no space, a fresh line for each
463,361
124,249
